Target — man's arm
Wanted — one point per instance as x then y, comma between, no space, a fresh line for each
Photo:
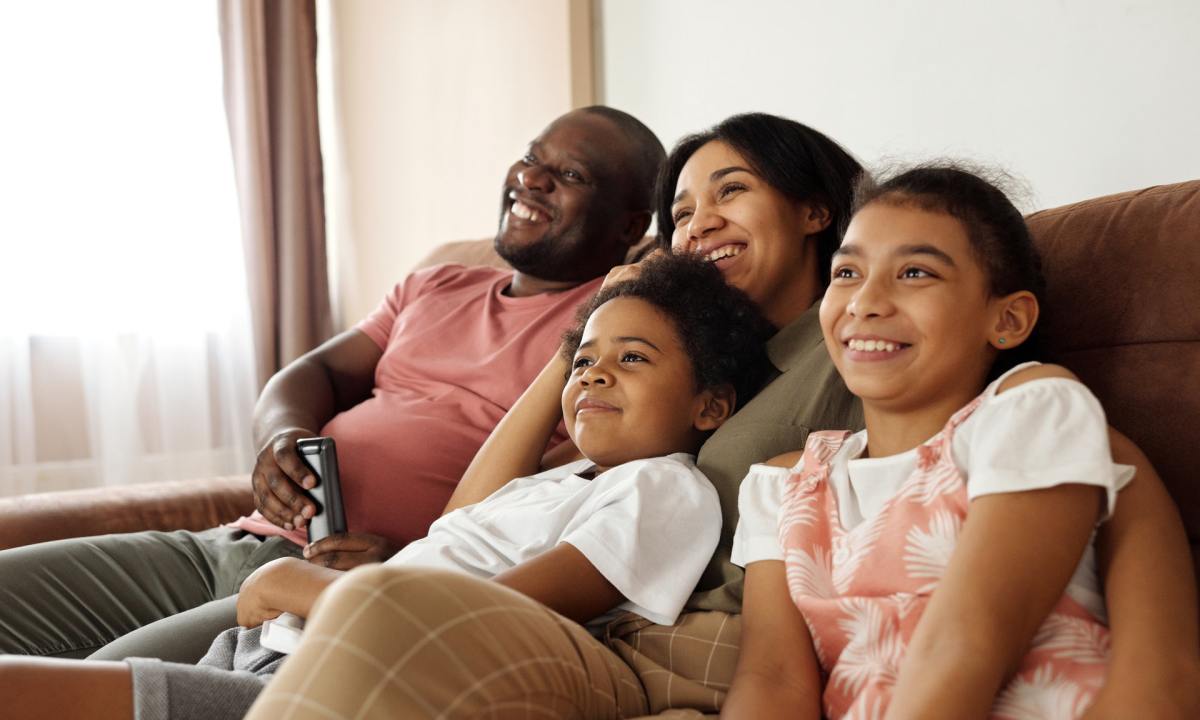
1150,590
515,447
296,403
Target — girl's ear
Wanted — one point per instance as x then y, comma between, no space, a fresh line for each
1016,316
715,407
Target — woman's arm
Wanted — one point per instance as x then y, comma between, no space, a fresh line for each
515,447
1150,590
777,672
285,585
1015,555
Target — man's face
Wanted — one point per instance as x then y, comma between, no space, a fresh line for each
563,212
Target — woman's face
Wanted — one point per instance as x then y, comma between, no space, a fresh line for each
754,233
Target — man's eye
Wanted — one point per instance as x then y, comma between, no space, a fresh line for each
572,175
581,362
529,159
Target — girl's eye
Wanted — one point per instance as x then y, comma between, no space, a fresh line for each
681,215
632,357
729,189
916,273
581,362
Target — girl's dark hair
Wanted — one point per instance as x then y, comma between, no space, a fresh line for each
996,229
801,163
720,328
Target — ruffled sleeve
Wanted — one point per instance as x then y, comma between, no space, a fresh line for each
1042,434
759,500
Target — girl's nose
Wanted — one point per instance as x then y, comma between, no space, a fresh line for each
595,375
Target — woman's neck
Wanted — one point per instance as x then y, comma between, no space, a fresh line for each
891,431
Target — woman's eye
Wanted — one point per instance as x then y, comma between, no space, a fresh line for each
729,189
680,216
581,362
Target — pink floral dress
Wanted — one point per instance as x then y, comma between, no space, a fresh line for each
862,591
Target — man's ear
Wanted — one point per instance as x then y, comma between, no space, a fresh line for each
636,224
1016,316
715,407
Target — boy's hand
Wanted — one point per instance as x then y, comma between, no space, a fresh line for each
349,550
258,599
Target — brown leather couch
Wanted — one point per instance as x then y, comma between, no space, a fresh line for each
1123,312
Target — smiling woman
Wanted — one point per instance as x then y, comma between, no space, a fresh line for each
124,344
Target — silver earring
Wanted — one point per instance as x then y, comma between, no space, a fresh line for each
1001,341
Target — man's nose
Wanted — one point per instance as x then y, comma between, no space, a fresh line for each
535,177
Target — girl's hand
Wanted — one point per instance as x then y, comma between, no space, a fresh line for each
1179,700
349,550
256,601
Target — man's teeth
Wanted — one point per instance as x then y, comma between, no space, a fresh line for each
872,345
723,252
525,212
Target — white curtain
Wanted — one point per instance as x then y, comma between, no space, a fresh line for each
125,348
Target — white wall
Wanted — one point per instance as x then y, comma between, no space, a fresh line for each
426,103
1078,97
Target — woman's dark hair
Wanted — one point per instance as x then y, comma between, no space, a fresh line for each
720,328
996,229
801,163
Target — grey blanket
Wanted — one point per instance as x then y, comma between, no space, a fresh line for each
221,686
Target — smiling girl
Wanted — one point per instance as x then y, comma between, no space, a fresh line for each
938,563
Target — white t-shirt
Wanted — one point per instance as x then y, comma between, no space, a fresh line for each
648,526
1040,434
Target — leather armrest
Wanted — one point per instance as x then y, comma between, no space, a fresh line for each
176,505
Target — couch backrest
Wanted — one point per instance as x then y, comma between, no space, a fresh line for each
480,252
1123,313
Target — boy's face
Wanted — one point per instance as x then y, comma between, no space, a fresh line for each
632,392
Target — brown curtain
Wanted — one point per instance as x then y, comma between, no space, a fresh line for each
269,49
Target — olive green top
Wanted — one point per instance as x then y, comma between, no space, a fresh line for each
806,394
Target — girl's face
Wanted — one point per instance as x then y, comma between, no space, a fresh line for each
753,232
632,392
908,317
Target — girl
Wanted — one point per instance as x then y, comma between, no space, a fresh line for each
907,569
654,366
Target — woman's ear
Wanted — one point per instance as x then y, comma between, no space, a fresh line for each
814,218
715,407
1016,316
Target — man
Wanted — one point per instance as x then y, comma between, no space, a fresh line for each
409,395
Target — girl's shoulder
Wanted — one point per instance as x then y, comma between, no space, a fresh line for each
787,460
1024,374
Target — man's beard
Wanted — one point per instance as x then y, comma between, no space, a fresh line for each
551,257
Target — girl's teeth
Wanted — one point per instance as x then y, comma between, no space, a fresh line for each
872,345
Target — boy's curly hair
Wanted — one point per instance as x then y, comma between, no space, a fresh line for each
721,329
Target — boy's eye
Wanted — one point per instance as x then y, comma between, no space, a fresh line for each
581,362
914,272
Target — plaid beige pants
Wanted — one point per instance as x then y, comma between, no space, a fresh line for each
388,642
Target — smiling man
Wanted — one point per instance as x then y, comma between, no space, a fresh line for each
409,395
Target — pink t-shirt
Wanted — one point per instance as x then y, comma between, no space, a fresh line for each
457,354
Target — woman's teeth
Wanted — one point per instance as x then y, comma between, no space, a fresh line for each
525,212
723,252
872,345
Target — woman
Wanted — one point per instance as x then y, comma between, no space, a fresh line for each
766,198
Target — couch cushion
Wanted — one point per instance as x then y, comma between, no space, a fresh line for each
1123,312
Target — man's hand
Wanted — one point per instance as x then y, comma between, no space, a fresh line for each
279,474
349,550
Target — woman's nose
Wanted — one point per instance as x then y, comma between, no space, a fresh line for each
702,222
535,177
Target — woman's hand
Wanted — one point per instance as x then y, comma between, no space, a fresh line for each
621,273
284,585
349,550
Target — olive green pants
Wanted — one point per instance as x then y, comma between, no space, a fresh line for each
156,594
